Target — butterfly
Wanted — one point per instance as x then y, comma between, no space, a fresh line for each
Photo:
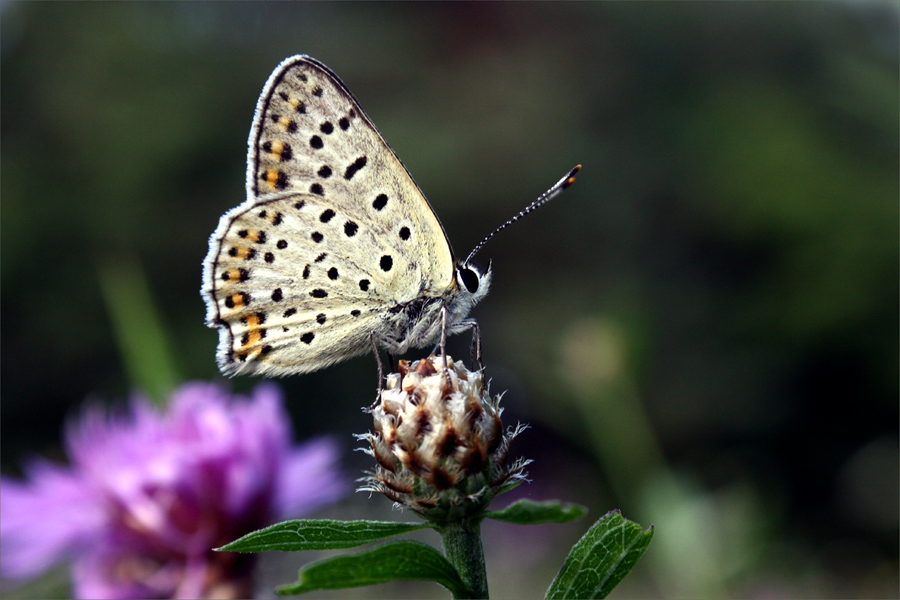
336,251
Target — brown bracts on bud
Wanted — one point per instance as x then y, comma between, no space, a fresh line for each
439,442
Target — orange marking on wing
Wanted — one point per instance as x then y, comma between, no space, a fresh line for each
277,149
254,333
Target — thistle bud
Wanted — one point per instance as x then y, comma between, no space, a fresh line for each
439,442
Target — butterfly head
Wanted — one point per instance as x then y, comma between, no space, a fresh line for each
473,280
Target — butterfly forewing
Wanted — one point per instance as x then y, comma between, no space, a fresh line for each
334,234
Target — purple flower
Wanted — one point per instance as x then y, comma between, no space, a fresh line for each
148,495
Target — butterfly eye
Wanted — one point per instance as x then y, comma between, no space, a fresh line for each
469,277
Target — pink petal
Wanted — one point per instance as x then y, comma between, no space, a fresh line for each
43,520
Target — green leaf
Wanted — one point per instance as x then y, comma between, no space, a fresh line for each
318,534
526,512
394,561
601,558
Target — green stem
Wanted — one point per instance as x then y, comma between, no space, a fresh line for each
462,547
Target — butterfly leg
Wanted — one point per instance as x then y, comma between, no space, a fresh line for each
443,342
392,368
475,348
380,371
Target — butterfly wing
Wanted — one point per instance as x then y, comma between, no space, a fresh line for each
333,237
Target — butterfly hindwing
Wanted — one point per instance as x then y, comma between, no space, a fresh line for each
292,289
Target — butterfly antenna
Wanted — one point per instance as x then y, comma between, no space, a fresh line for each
547,196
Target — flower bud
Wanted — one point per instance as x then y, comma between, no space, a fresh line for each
439,442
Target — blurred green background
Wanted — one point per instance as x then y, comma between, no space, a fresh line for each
702,332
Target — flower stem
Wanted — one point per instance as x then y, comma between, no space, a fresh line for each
462,547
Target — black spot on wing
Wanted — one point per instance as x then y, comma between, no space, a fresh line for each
354,167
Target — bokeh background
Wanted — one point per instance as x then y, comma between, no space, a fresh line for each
702,332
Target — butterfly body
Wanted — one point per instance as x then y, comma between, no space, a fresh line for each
335,247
